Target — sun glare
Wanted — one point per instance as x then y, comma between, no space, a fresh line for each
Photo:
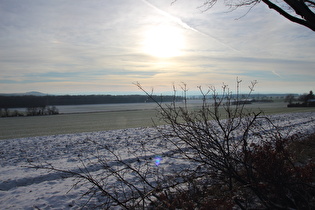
163,41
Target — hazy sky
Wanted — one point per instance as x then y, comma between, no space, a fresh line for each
104,46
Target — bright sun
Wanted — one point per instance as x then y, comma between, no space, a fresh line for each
163,41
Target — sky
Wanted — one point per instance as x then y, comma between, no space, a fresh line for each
105,46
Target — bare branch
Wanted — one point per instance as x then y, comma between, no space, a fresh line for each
304,15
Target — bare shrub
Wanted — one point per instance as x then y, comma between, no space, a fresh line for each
279,181
238,150
233,157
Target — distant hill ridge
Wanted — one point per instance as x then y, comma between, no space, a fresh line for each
31,93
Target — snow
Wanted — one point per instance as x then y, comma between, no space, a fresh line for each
22,187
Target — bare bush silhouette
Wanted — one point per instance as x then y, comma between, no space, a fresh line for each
233,157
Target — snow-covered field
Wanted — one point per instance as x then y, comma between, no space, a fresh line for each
22,187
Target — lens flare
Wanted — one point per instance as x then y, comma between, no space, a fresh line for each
158,160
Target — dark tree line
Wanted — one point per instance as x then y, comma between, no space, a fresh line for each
30,111
43,101
308,100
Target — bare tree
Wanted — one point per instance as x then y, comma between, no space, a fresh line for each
297,11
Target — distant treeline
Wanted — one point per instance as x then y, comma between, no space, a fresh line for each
307,100
43,101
